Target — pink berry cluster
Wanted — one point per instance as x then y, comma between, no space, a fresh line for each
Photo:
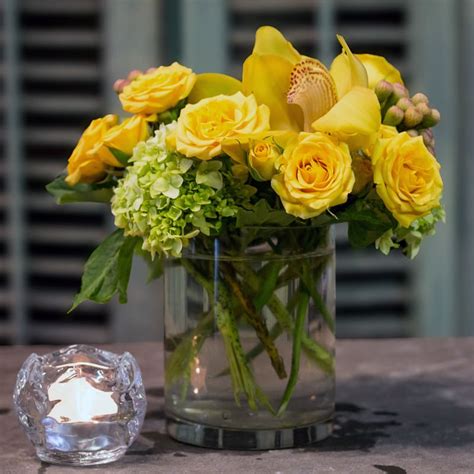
403,111
119,84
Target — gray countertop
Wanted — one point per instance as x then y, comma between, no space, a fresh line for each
403,406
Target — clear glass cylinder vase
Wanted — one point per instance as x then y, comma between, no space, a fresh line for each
249,339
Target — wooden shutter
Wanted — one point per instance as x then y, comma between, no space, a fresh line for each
4,303
59,65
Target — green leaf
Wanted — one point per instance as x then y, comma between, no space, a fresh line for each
262,214
120,155
172,114
81,192
360,236
156,268
368,220
155,265
107,271
124,267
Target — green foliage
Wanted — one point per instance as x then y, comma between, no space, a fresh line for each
155,269
119,155
172,115
385,242
81,192
261,214
409,240
368,219
155,265
107,271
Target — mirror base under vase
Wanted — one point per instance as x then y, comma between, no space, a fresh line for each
224,438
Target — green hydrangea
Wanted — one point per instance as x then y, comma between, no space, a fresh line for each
410,239
167,199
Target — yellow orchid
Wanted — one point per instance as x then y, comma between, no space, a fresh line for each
377,68
347,70
355,119
266,75
303,95
210,84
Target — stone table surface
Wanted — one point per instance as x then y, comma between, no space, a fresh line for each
403,406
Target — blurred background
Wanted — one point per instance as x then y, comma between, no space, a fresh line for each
58,61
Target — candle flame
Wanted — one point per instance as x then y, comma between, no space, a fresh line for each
76,400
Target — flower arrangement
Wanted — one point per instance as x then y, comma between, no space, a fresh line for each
293,145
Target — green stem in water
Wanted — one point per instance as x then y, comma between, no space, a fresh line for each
313,350
296,352
309,281
268,278
256,321
180,359
243,380
275,333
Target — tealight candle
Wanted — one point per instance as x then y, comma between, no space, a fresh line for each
80,405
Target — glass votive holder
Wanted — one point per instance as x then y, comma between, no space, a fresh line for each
80,405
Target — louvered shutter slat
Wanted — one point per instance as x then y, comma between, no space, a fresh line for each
60,7
61,67
50,71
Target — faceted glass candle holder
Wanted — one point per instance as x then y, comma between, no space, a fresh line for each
80,405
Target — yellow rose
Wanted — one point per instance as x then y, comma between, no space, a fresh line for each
262,157
204,126
315,175
85,164
158,90
123,137
385,131
407,177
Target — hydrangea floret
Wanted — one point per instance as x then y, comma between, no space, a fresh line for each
167,199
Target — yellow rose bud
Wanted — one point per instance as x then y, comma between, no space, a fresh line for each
241,172
262,157
407,177
204,126
85,164
124,137
315,175
157,90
